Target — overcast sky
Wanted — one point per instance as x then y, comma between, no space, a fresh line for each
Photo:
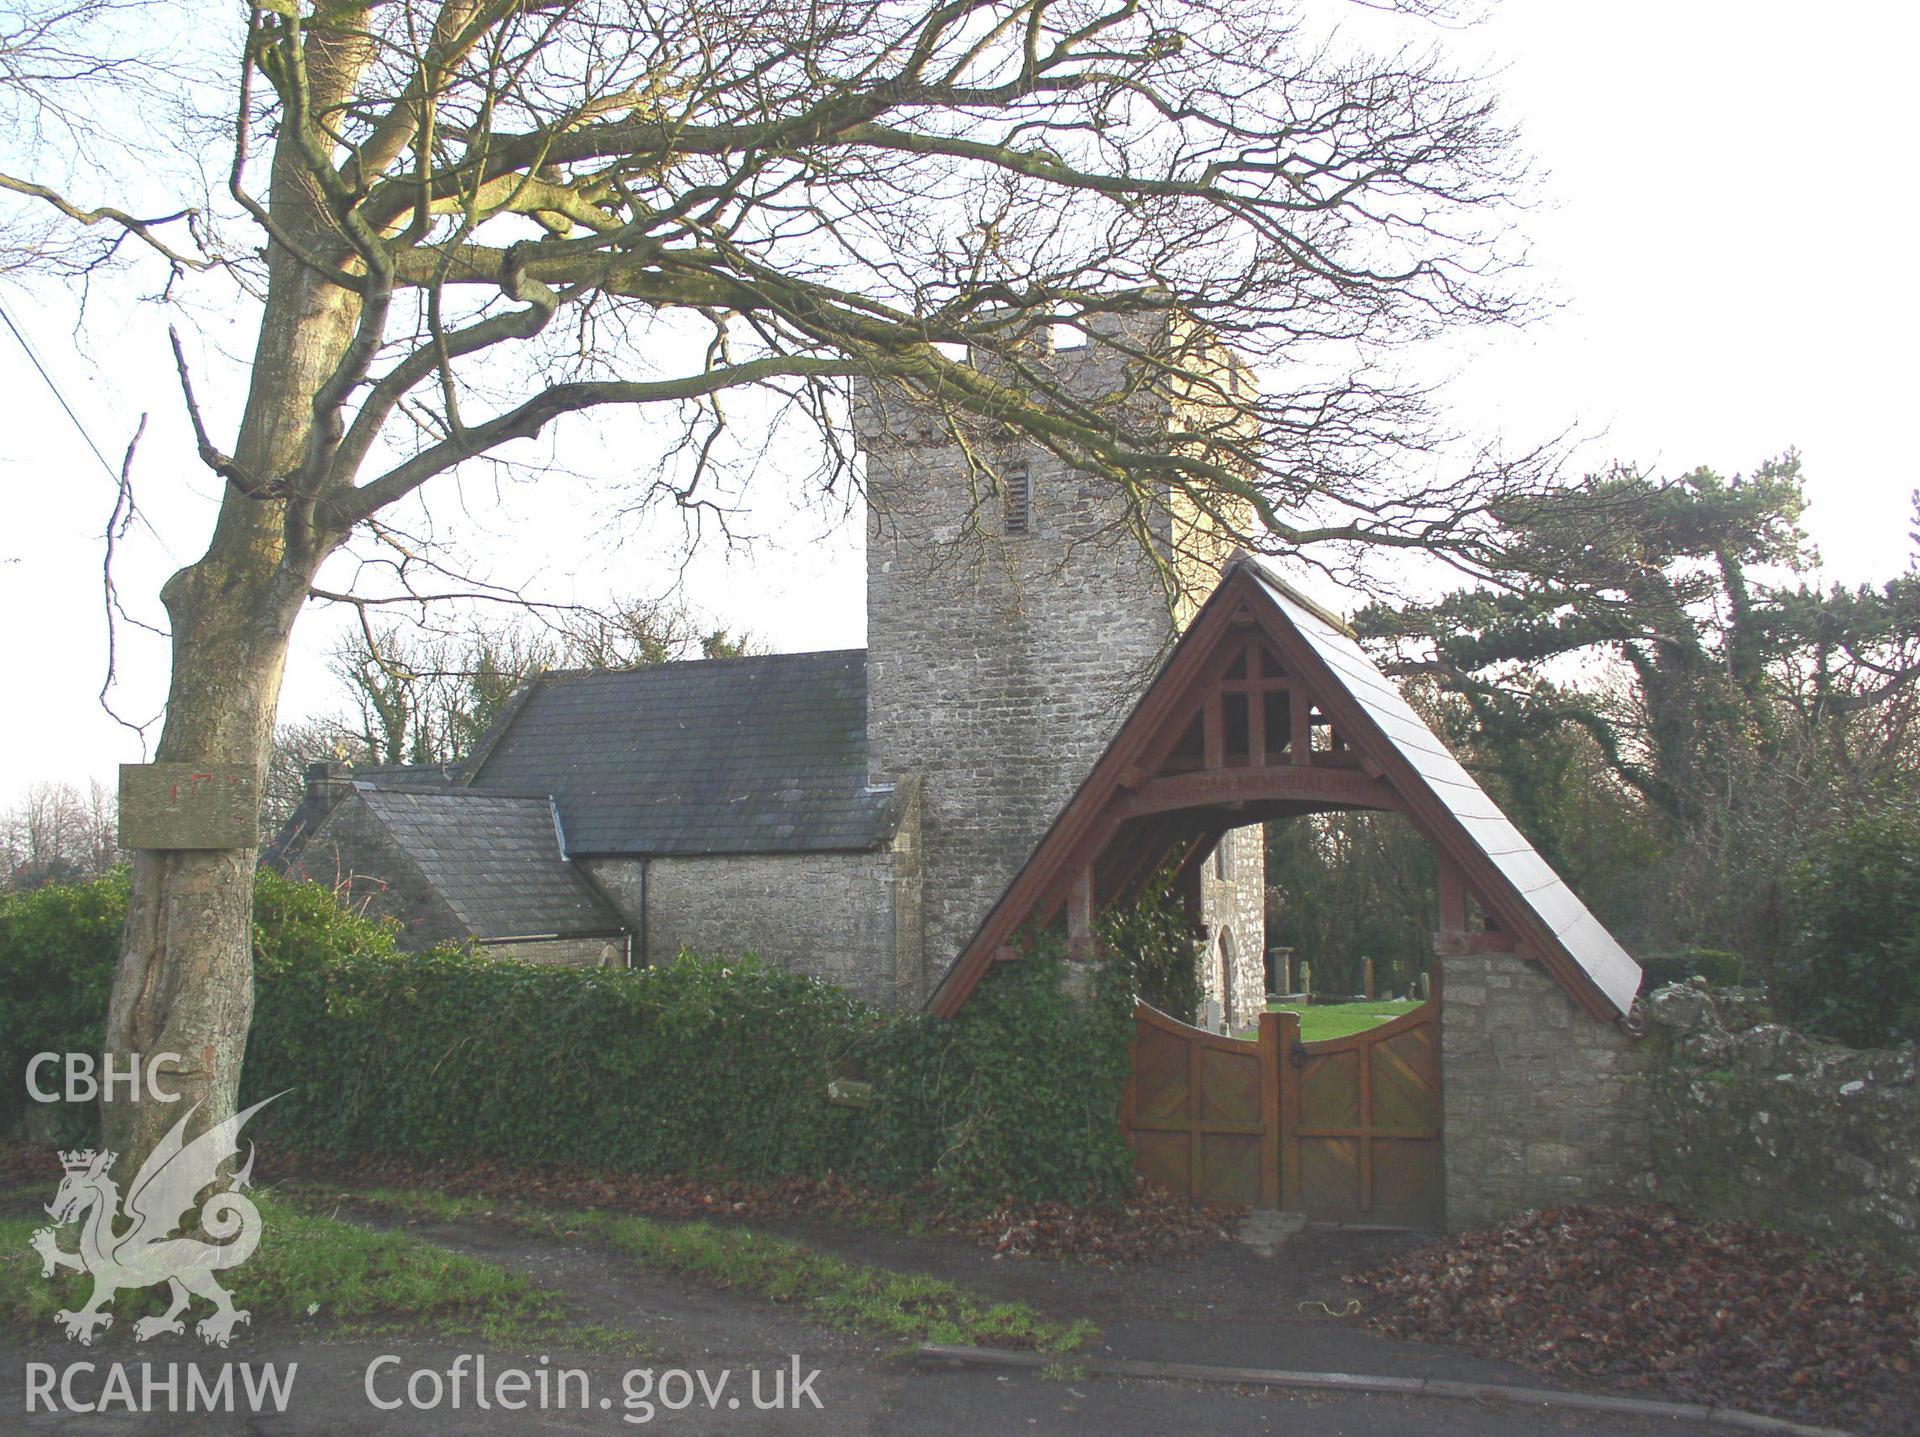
1726,221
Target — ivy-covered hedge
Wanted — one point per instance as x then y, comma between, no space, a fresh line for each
1853,973
1156,941
698,1065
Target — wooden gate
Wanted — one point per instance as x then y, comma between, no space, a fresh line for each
1202,1112
1360,1122
1346,1130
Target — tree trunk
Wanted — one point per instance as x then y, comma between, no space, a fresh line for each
184,983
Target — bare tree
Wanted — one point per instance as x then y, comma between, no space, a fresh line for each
61,63
480,216
57,833
295,746
420,695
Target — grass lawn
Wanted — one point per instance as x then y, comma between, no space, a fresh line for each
906,1307
1336,1020
313,1269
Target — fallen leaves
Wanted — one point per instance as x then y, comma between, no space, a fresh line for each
1725,1312
1155,1224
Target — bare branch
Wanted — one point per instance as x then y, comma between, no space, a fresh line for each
142,230
221,464
118,523
535,414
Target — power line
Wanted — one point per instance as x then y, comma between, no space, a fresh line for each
105,463
123,497
34,359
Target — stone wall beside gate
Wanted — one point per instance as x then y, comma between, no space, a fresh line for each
1544,1105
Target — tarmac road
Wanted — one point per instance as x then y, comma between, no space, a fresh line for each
1227,1307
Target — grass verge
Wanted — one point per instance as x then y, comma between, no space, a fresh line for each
313,1270
905,1307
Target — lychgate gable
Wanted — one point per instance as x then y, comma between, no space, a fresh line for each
1267,709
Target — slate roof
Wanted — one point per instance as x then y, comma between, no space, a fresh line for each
764,754
494,858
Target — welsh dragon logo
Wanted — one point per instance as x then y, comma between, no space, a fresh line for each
148,1252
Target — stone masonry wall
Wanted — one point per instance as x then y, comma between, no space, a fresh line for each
565,952
999,665
623,883
1715,1110
1233,906
825,914
1543,1104
1754,1121
850,918
913,976
996,670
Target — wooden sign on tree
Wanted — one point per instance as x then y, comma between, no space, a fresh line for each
187,805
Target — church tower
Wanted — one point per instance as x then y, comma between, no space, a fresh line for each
1013,617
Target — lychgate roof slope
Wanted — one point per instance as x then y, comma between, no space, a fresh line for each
766,754
1267,708
495,860
1479,819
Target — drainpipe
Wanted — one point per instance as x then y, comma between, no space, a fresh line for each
646,906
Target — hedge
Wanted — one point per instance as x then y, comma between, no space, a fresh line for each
702,1065
57,950
1853,970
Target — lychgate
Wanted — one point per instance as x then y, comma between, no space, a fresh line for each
1268,709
